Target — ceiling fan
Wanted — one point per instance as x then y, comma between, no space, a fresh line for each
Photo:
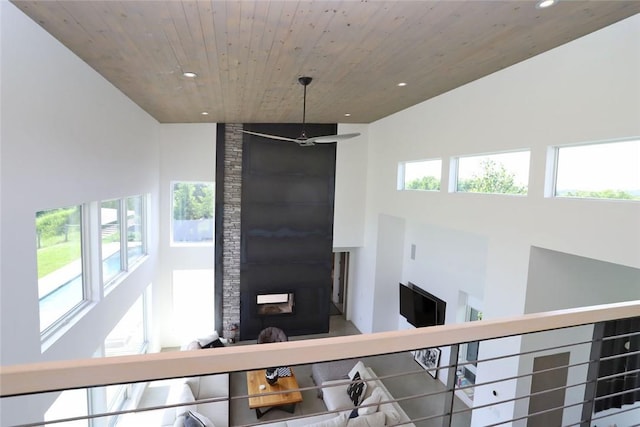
303,140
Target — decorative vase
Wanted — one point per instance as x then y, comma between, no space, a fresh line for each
271,375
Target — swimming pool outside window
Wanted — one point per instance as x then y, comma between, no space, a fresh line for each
60,263
110,230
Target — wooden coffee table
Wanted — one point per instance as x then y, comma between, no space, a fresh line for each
285,393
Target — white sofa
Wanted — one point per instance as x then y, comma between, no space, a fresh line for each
188,390
376,407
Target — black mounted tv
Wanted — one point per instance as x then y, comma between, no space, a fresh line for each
420,308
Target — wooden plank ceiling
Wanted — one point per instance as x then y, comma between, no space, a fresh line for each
249,54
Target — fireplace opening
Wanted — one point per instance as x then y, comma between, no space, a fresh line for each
272,304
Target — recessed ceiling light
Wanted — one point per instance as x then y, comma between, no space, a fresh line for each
205,113
545,3
189,74
402,84
347,114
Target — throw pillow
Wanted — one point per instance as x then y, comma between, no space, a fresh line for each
195,419
358,367
356,389
372,420
214,344
208,339
370,404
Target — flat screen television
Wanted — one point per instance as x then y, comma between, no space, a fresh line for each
420,308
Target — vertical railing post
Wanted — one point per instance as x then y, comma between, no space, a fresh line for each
592,375
447,418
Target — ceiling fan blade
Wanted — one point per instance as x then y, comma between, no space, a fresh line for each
264,135
332,138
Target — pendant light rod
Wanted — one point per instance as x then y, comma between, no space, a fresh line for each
304,81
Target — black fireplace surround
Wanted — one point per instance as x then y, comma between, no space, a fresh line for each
286,230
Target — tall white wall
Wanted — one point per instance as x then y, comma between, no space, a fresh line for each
68,137
187,153
587,90
350,192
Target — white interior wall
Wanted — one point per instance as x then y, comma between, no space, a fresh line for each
559,281
350,190
584,91
187,153
68,137
386,304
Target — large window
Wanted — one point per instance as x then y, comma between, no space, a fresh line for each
599,171
421,175
60,263
192,212
500,173
110,230
135,229
128,337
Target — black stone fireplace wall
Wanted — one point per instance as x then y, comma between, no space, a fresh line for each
286,228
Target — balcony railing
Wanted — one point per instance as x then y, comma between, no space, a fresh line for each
577,367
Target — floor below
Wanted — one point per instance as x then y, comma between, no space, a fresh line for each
405,386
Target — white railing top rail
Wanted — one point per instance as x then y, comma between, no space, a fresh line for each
69,374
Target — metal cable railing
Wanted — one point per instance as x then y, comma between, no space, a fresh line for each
26,382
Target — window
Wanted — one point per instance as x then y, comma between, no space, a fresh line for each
127,337
599,171
192,212
61,286
135,229
193,316
423,175
501,173
468,356
110,229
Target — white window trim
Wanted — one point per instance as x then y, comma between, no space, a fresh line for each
172,242
402,174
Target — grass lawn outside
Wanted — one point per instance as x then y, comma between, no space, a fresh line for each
53,257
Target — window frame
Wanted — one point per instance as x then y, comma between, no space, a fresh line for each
553,164
454,172
172,241
143,231
70,315
112,280
402,172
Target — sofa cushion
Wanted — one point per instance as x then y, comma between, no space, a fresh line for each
303,422
193,345
185,396
195,419
337,421
370,404
179,421
390,412
376,419
334,395
194,384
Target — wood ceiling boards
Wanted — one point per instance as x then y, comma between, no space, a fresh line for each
249,54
